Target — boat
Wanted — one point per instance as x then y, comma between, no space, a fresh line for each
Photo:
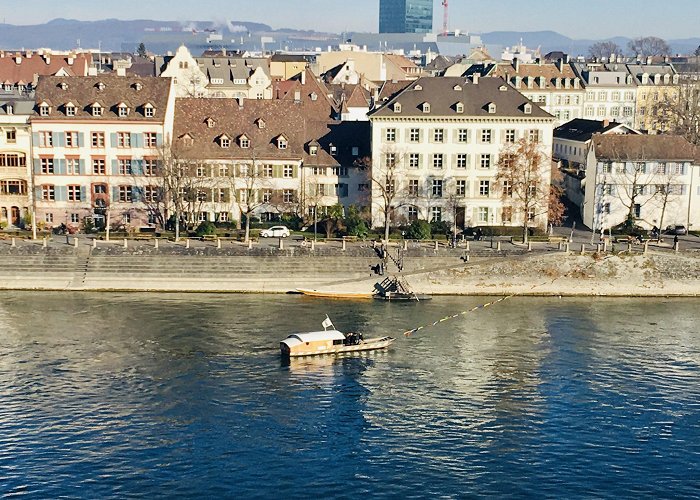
326,294
330,342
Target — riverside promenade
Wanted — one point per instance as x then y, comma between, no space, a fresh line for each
475,268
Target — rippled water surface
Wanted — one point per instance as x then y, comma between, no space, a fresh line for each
136,395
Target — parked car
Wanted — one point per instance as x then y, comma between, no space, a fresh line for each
275,232
676,229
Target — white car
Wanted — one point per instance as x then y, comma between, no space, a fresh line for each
275,232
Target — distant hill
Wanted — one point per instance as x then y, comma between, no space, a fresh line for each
116,35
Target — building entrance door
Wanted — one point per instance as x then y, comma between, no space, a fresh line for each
15,216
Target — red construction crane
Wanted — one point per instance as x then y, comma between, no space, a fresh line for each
445,19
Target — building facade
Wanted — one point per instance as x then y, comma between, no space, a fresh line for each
405,16
15,151
611,93
436,146
96,147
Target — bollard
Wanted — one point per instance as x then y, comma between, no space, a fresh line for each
467,258
126,245
498,246
605,246
343,244
313,245
646,246
405,244
560,246
436,245
281,244
13,242
44,244
155,243
597,247
250,244
218,242
583,249
75,242
94,243
529,246
566,247
676,246
187,243
629,247
467,245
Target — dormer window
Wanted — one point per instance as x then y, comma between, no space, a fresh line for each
225,141
418,87
313,149
244,142
148,110
282,142
63,86
397,107
261,123
333,149
503,88
9,109
123,110
527,108
210,122
459,107
70,109
43,109
100,86
96,109
314,96
138,86
425,107
187,140
457,87
491,107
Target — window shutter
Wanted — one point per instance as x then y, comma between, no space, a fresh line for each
115,167
37,193
37,166
478,136
137,167
61,193
469,161
136,194
295,171
453,161
81,140
61,166
115,194
159,139
81,167
83,193
61,139
113,139
54,138
277,171
134,137
35,139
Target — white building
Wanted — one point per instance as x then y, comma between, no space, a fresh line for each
611,93
443,137
15,149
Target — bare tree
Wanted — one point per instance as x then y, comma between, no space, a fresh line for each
600,50
679,113
523,171
667,188
386,178
556,210
649,46
251,179
172,179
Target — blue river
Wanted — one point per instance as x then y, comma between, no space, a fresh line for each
176,395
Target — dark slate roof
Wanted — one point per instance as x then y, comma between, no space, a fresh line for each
83,91
582,130
299,123
444,93
618,147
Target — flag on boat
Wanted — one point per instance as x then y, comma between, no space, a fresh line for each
327,322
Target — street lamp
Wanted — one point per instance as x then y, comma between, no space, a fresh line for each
492,222
314,209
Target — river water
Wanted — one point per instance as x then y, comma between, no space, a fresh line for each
145,395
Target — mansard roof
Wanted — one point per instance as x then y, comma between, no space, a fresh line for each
134,90
442,93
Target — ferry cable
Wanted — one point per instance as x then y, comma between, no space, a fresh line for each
408,333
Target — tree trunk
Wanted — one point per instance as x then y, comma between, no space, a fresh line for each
525,232
387,223
247,227
177,224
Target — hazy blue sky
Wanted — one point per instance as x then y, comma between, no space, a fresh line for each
574,18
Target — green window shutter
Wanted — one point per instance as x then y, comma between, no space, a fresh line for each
61,193
115,167
83,193
81,139
61,139
159,140
35,139
37,166
113,139
295,171
277,171
61,166
115,194
81,166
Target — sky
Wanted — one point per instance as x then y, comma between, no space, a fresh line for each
589,19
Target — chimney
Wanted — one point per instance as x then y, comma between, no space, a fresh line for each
240,102
560,65
18,59
516,64
121,71
606,123
303,77
475,78
28,54
649,60
297,96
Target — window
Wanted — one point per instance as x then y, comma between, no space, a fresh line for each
44,110
601,110
615,111
507,214
201,195
484,188
602,96
412,213
390,135
390,186
461,160
75,218
71,139
483,214
48,193
486,136
73,193
414,135
96,110
438,160
413,187
637,211
149,139
45,140
288,171
435,214
438,135
125,193
245,143
607,168
390,160
11,136
462,135
282,143
123,139
533,135
126,218
507,188
437,188
48,217
590,111
627,111
123,111
150,194
97,139
510,136
267,170
362,188
461,187
288,196
606,208
223,216
317,170
485,161
149,111
70,110
414,160
46,165
629,96
149,167
100,189
124,166
615,96
661,168
72,166
98,166
201,171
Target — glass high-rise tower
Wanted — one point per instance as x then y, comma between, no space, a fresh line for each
405,16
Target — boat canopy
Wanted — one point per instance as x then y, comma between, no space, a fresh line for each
300,338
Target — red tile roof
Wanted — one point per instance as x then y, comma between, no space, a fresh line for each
28,69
